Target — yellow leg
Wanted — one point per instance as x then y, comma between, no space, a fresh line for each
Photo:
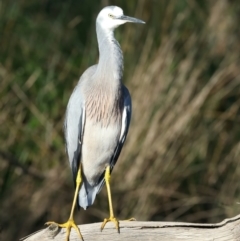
70,223
111,217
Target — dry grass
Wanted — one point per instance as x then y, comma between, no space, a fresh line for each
181,158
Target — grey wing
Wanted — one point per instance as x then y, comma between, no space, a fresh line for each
126,118
75,121
74,128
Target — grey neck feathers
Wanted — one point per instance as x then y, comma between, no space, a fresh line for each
104,102
110,66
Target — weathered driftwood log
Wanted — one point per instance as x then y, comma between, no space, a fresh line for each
228,230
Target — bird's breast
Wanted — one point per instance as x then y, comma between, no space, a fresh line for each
104,107
98,147
101,131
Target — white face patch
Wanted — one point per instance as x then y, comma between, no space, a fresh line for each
107,17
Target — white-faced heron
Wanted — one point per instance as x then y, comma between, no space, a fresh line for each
97,118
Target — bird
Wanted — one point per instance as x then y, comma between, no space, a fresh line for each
97,119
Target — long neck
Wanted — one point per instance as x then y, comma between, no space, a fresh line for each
110,66
104,99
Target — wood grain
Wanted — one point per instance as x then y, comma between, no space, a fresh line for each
227,230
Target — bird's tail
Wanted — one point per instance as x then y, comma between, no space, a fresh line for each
87,195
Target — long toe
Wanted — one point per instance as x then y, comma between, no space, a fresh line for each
110,219
130,219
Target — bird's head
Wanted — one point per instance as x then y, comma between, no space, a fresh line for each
112,16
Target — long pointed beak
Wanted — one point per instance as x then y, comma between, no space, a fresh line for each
130,19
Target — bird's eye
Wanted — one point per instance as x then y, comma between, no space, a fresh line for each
110,15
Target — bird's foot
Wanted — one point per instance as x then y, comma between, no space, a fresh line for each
110,219
116,222
68,225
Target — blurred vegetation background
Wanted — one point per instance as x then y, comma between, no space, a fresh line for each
181,158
